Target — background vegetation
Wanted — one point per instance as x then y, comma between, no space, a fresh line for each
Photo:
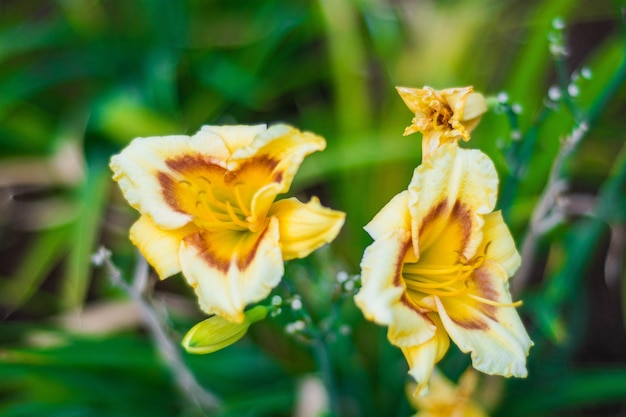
80,79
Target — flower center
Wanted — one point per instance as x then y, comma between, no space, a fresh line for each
440,114
217,206
454,280
440,280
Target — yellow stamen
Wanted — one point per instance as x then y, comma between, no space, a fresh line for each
242,206
495,303
438,291
420,284
436,269
234,217
214,201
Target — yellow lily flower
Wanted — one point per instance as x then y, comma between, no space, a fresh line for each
439,265
446,399
207,209
442,116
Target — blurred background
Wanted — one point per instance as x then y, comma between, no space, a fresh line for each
79,79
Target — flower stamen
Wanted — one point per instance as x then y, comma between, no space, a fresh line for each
495,303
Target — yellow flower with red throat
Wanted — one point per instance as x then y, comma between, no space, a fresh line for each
208,209
442,116
439,265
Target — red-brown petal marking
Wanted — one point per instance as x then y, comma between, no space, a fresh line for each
220,249
253,175
435,213
196,174
208,251
246,257
471,323
470,313
485,289
168,188
462,214
398,280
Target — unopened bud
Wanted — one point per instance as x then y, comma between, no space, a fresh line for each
216,332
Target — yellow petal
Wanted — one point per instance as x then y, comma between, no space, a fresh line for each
380,267
395,215
498,244
447,399
422,359
382,297
475,107
236,136
412,97
494,334
305,227
453,180
285,146
143,165
409,326
456,99
230,269
160,247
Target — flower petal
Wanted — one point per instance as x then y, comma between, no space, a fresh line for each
453,181
380,269
395,215
494,334
423,357
141,168
498,244
305,227
160,247
411,97
382,297
231,269
284,147
456,99
475,107
236,136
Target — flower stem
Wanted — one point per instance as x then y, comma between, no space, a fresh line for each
189,388
546,205
324,364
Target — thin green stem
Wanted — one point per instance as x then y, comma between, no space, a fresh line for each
324,364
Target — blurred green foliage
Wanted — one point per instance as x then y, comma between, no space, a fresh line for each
80,79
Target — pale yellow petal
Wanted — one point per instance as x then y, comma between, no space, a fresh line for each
440,391
140,170
452,179
493,334
409,326
380,268
160,247
422,359
447,399
431,141
383,298
411,97
235,136
475,107
231,269
394,215
456,99
270,163
498,244
305,227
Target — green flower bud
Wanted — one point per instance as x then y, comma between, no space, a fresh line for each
216,332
